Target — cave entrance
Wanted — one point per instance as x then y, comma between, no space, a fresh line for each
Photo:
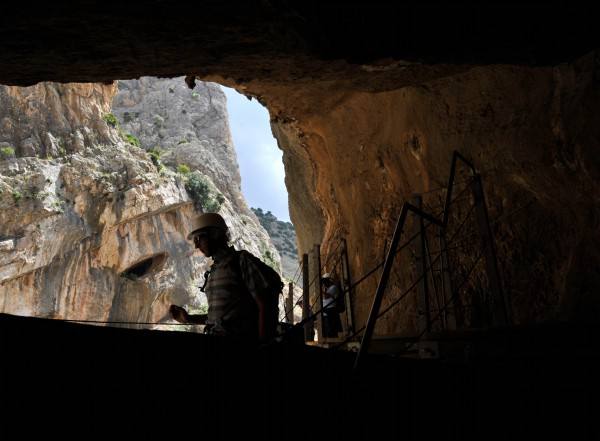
263,175
259,157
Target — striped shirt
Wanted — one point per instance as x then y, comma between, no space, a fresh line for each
232,287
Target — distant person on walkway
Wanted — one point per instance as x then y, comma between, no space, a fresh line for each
240,289
332,324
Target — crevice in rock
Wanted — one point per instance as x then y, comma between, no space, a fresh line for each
145,267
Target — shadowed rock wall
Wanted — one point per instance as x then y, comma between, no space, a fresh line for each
533,133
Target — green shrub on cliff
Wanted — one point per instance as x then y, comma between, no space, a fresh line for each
7,152
183,169
111,120
155,157
203,193
269,259
17,196
132,139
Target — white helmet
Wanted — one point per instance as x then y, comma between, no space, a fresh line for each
207,220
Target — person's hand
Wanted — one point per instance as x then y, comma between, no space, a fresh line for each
179,314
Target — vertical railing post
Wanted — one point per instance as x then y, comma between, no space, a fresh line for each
316,299
347,289
383,281
309,330
447,288
500,306
423,313
317,291
289,304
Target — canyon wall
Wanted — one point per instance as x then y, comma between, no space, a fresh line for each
189,129
90,227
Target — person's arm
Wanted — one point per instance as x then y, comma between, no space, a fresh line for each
182,316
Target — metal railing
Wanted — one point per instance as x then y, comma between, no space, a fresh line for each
499,301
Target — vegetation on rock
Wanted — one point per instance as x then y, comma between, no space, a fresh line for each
111,120
7,152
203,192
17,196
131,139
183,169
283,236
155,157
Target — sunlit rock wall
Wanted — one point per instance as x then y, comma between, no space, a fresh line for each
75,218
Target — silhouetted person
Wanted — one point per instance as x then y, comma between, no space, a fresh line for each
332,324
237,286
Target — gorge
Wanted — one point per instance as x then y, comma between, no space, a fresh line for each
368,102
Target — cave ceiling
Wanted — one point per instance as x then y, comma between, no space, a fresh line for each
360,45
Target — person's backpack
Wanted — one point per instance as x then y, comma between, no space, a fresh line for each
273,291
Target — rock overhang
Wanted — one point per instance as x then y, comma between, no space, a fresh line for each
282,42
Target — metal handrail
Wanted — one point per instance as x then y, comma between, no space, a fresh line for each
384,278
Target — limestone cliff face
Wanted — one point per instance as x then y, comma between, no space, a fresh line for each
353,158
72,226
53,119
93,230
190,127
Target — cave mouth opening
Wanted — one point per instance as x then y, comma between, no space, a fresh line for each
206,127
145,267
259,157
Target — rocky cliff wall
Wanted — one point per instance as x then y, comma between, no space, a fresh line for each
90,227
190,127
53,119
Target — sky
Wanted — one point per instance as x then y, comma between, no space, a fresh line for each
259,157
